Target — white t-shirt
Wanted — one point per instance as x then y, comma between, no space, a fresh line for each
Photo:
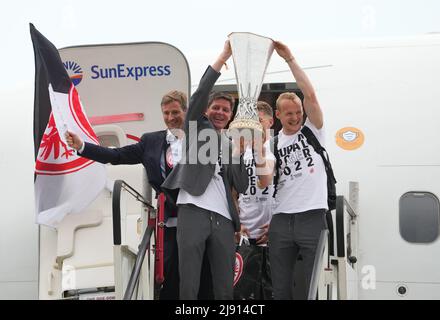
302,183
213,199
256,204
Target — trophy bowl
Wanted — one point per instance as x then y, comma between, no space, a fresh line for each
251,54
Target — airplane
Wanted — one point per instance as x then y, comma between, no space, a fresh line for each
379,100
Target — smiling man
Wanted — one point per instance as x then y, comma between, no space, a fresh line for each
300,184
220,109
208,217
159,152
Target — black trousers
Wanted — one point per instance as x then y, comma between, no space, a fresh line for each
290,235
170,286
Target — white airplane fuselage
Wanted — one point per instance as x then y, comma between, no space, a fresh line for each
381,110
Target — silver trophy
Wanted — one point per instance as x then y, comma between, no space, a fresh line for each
251,54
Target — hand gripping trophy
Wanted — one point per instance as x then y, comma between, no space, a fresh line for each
251,54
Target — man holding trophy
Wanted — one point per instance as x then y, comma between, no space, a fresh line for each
208,175
301,190
210,169
301,184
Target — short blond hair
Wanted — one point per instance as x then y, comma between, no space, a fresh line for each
288,96
263,106
175,95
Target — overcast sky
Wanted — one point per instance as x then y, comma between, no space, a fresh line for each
195,25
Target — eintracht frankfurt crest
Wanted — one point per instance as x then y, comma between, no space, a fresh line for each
238,267
54,156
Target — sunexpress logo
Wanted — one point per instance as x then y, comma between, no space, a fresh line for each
74,71
122,70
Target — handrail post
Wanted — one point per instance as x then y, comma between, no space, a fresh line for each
317,265
116,215
134,277
116,211
346,246
353,197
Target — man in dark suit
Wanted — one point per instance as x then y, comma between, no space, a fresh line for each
205,177
158,151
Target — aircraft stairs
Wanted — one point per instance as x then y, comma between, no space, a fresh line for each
334,273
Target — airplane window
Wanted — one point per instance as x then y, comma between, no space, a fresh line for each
110,141
419,217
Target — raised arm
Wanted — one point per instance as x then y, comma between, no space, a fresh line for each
311,104
223,57
199,99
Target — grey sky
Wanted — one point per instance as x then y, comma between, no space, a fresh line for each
194,25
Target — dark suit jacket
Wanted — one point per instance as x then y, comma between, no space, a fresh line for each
148,151
192,175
